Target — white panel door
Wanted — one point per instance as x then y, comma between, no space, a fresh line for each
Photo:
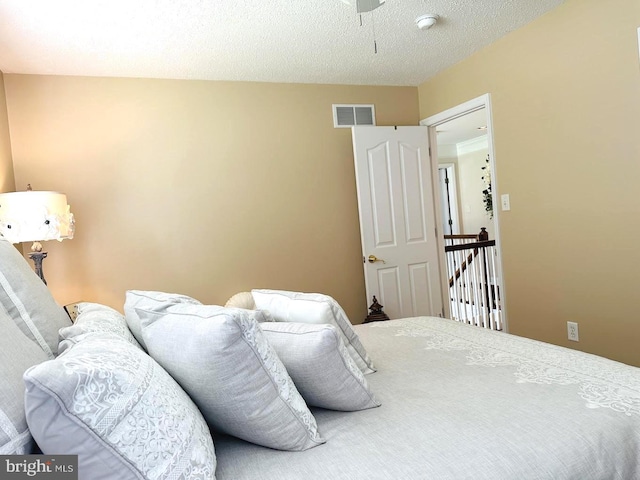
397,219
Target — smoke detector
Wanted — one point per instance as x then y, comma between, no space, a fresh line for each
425,22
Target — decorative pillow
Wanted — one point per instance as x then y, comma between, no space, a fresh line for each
27,300
223,361
314,308
139,298
112,405
17,354
317,360
245,300
241,300
94,317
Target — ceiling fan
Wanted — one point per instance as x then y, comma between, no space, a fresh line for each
363,6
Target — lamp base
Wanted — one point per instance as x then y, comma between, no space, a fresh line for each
37,258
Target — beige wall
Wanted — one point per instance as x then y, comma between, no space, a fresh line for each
202,188
565,93
470,185
6,165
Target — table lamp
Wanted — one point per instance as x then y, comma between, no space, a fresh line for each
35,216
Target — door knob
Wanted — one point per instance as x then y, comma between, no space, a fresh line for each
373,259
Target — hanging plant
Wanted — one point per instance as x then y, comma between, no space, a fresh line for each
486,193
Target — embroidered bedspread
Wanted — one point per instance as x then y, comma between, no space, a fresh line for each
460,402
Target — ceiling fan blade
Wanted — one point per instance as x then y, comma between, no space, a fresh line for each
363,6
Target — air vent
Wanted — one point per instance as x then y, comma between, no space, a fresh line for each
346,116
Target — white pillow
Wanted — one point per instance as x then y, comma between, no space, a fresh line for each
314,308
94,317
108,402
317,360
222,359
28,301
140,298
17,354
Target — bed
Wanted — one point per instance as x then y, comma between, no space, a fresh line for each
461,402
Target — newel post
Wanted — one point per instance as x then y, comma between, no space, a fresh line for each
377,314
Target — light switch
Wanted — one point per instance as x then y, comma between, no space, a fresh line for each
506,205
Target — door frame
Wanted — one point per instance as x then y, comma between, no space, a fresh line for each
453,190
483,101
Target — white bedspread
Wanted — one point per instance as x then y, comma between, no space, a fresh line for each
460,402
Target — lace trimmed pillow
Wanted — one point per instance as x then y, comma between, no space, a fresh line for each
317,360
140,298
112,405
94,317
222,359
314,308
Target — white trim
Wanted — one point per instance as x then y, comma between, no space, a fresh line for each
435,193
483,101
473,145
455,112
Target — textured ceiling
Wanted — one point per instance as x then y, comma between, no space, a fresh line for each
302,41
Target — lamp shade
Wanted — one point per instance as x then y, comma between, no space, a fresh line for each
35,216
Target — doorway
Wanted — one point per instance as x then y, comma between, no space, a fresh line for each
448,183
396,205
462,143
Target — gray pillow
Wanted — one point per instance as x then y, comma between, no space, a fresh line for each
318,362
94,317
112,405
314,308
17,354
27,300
142,299
223,361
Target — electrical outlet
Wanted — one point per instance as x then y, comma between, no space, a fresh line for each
572,331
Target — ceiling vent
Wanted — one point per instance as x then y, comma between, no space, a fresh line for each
346,116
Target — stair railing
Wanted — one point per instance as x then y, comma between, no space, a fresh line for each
473,280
